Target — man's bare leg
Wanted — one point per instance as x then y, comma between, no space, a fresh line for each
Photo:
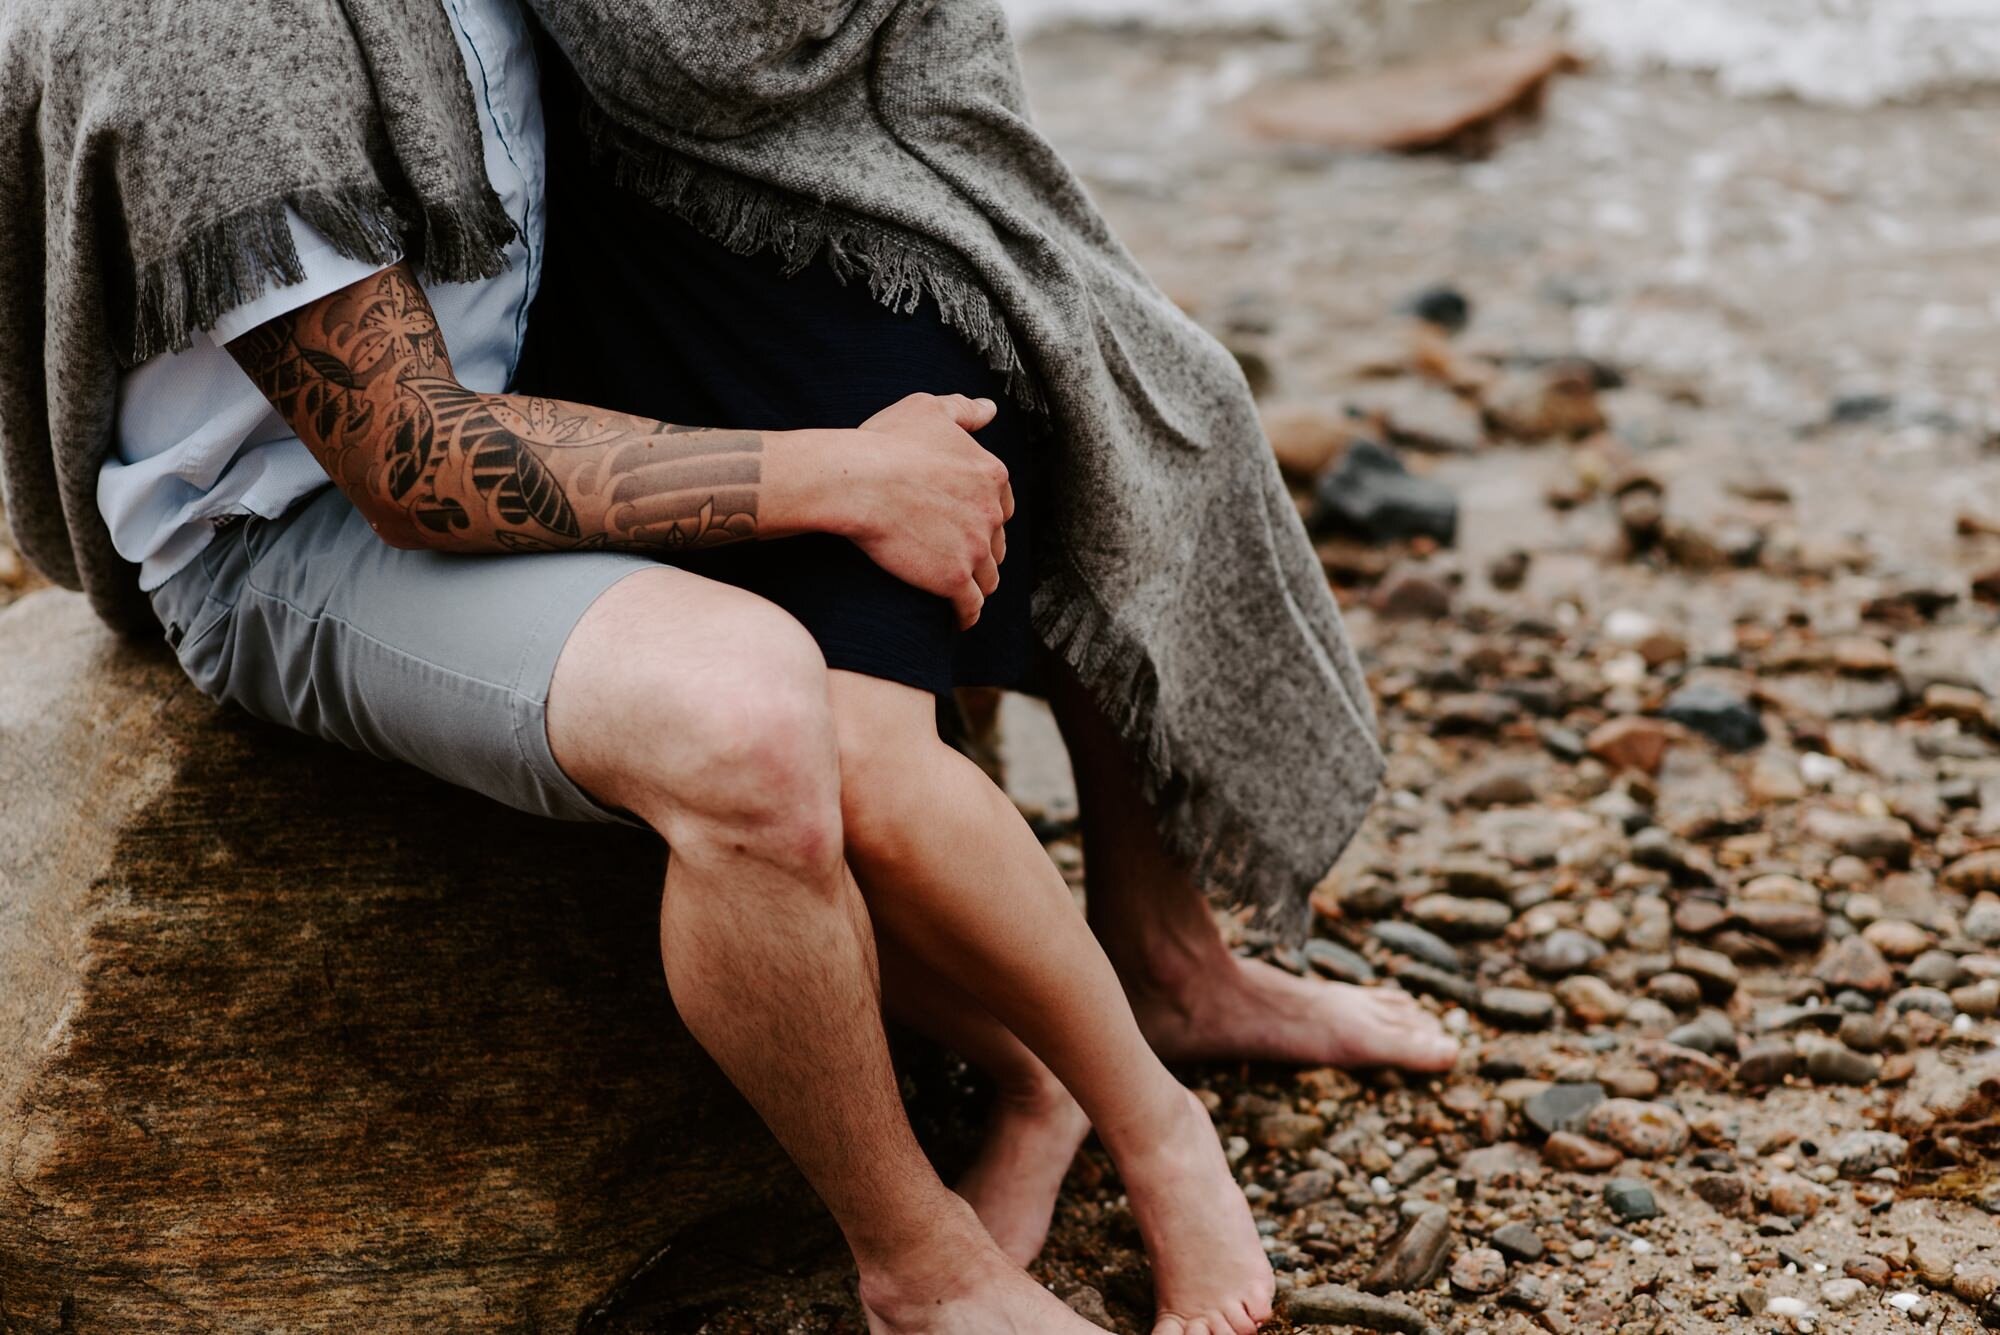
955,873
1035,1127
703,710
1195,998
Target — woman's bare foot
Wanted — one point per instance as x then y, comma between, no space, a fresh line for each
962,1285
1210,1274
1014,1182
1245,1009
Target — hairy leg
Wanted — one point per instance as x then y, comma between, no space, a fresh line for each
704,711
1036,1126
1195,998
953,871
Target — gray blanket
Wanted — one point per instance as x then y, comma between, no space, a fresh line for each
148,148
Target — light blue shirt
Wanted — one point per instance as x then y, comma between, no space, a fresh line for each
196,441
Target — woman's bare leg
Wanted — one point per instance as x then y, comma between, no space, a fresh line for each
1035,1127
952,870
1195,998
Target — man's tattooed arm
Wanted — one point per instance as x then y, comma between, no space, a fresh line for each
363,377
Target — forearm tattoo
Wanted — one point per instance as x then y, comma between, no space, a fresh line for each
363,377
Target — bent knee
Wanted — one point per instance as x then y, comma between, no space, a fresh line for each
719,736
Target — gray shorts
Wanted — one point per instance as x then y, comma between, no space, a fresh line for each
438,661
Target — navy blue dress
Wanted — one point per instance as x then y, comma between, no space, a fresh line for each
639,313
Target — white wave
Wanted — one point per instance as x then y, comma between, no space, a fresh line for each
1845,52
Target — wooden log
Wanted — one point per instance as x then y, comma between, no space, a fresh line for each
294,1039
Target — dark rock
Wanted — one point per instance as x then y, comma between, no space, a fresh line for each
1337,961
1426,980
1409,939
1517,1242
1443,305
1370,495
1717,713
1518,1007
1562,1107
1630,1198
1726,1192
1837,1065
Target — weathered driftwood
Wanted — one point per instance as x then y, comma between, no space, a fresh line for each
293,1039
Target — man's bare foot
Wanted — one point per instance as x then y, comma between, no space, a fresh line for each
1210,1274
963,1286
1249,1010
1014,1182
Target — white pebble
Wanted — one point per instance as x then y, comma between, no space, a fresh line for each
1786,1305
1393,1148
1903,1302
1456,1021
1961,1023
1236,1147
1625,670
1380,1186
1628,625
1820,769
1640,1246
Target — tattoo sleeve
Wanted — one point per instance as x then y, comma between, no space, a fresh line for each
363,377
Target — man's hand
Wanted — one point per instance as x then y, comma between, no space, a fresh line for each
927,502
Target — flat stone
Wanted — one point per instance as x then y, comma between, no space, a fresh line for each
1788,924
1462,919
1677,1066
1590,1000
1409,939
1568,1152
1842,1293
1834,1064
1630,1198
1883,838
1642,1130
1517,1242
1518,1007
1562,1107
1715,972
1289,1131
1337,962
1306,1187
1426,980
1897,939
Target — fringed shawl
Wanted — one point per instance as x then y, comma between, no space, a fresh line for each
149,147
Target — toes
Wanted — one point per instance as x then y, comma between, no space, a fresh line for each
1171,1325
